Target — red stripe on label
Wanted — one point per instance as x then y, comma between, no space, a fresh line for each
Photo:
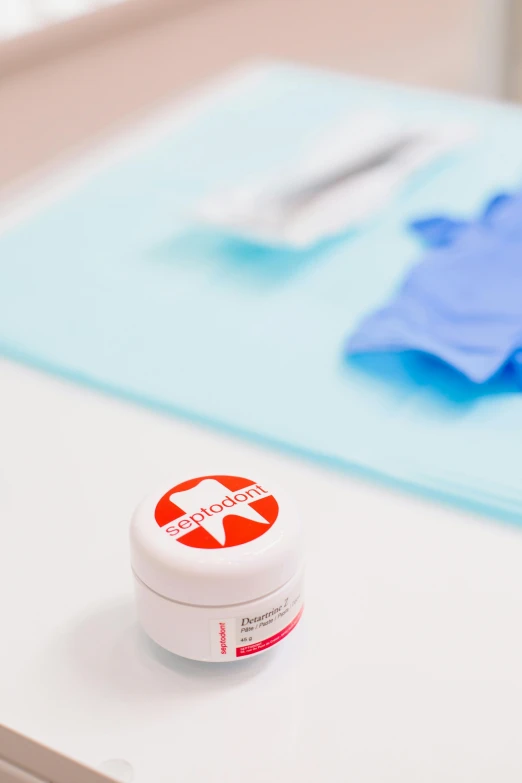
251,649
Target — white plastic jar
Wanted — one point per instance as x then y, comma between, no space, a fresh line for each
218,567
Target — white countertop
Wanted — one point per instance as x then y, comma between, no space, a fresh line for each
406,667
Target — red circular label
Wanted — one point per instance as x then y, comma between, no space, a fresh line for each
213,512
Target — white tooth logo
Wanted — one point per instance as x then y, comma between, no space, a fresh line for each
210,514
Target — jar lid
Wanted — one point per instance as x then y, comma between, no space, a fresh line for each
216,540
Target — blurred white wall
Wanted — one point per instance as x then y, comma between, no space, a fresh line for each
18,17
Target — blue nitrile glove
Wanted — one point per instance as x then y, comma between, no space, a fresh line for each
463,302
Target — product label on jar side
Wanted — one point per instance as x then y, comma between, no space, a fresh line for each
238,637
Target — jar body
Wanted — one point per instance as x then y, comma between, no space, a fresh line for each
220,633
